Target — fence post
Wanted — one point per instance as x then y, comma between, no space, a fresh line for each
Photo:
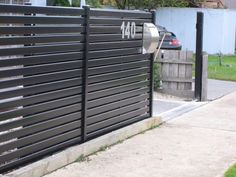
85,74
204,77
199,56
151,72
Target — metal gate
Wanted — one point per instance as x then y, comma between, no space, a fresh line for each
68,75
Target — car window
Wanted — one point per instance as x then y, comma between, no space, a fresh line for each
173,34
168,34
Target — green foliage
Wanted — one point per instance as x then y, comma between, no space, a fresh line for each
231,172
150,4
50,2
60,3
156,76
123,4
174,3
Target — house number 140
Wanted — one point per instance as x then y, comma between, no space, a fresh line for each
128,30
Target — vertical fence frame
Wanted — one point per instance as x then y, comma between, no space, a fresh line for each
85,74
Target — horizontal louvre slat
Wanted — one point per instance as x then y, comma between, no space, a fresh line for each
116,75
41,19
112,113
40,107
40,136
40,117
41,10
118,125
115,21
34,148
115,90
42,49
118,82
114,52
110,37
40,39
41,97
115,120
35,128
42,59
117,97
120,13
118,67
113,45
39,79
101,109
36,89
41,29
66,143
40,69
116,60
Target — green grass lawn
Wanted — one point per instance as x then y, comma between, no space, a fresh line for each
231,172
225,72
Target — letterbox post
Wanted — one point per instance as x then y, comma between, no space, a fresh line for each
152,71
199,56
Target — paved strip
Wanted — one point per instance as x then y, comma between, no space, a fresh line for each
201,143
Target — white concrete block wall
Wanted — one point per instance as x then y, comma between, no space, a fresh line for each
219,27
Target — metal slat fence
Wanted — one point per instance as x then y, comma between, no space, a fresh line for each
67,76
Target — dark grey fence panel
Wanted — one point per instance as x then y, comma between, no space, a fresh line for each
118,74
67,76
41,83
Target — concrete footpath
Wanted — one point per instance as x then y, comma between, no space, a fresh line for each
201,143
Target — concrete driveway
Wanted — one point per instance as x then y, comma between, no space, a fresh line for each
161,106
219,88
201,143
216,89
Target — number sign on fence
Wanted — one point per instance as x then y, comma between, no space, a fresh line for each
128,30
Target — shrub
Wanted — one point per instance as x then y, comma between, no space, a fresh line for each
156,76
61,3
